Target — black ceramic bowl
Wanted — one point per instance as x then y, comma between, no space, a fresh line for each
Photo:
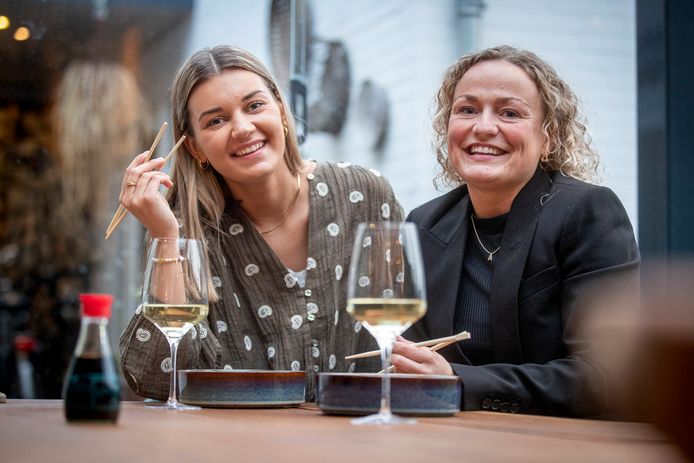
242,388
416,395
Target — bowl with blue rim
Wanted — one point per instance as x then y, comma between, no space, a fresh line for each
242,388
411,394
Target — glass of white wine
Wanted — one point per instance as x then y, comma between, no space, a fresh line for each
386,292
174,295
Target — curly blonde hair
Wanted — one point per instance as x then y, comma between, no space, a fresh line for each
563,126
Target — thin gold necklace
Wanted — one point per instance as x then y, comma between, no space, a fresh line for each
289,209
491,253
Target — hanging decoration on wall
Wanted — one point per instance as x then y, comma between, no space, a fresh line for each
327,78
373,115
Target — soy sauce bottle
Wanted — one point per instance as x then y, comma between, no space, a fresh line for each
92,388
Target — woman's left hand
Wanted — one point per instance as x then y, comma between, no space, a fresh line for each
408,358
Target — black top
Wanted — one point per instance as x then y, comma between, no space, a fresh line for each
472,306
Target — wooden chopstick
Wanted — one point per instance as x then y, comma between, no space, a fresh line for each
120,214
434,348
432,342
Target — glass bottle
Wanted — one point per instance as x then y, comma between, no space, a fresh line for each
91,390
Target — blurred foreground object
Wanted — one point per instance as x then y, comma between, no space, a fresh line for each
646,348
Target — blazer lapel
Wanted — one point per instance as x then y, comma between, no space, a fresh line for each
444,247
509,265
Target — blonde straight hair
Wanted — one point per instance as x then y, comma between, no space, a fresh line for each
198,195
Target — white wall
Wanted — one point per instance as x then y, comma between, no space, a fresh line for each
405,46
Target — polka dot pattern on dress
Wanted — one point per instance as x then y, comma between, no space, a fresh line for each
264,311
333,229
251,269
296,321
322,189
248,343
356,197
385,211
216,282
270,352
332,361
311,308
166,365
142,335
235,229
296,365
363,281
289,280
338,272
311,263
221,326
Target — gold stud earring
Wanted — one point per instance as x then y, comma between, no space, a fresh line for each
204,164
286,130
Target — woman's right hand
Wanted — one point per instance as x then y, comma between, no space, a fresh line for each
140,195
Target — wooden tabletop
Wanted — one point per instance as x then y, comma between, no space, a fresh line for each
36,431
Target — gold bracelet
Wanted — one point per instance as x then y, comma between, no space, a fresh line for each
167,260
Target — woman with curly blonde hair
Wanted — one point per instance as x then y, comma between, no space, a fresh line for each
513,253
569,145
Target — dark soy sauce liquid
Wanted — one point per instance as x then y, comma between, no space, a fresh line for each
93,391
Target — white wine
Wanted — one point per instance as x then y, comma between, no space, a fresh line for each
389,315
175,319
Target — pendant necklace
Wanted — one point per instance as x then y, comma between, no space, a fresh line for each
490,256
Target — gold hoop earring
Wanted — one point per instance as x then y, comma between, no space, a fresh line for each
204,165
286,131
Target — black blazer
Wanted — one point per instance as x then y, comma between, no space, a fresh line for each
562,237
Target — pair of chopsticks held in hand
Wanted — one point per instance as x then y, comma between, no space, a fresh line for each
122,211
432,344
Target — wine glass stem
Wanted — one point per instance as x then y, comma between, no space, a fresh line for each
386,346
173,402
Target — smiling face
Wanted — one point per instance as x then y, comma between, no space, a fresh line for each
494,136
237,126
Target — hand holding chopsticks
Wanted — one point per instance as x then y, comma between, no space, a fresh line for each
440,345
122,212
433,344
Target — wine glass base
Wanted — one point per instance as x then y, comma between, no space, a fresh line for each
383,419
173,406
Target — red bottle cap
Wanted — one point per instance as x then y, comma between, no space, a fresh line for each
96,305
24,343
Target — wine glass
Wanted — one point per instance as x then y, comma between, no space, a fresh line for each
174,295
386,293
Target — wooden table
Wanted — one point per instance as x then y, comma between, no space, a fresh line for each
36,431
